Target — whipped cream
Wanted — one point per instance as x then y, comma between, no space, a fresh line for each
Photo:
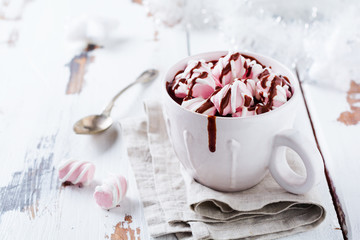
235,85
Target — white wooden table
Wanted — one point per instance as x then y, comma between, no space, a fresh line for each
41,97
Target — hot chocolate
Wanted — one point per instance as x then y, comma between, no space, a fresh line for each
235,85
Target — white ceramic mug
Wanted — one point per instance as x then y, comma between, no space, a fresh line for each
246,147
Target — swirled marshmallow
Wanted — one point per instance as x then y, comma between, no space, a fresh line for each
273,89
111,192
234,85
76,172
252,69
195,81
200,105
228,68
234,97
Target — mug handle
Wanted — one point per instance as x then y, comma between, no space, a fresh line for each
280,169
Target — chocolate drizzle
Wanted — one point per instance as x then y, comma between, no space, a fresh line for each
263,81
225,71
264,73
234,57
247,100
253,59
211,127
171,93
208,103
213,62
198,65
272,93
285,77
227,68
177,85
193,82
179,72
225,101
203,75
263,104
173,85
205,106
248,71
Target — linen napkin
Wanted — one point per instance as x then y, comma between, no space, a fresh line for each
174,203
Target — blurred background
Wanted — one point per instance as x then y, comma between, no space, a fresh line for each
320,38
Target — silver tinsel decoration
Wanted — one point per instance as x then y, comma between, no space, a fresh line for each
320,38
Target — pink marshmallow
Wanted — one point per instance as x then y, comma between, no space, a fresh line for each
251,69
111,192
221,100
199,105
282,90
280,97
232,98
76,172
195,81
233,63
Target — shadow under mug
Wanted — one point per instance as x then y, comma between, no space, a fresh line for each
246,147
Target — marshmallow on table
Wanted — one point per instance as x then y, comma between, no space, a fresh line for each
111,192
76,172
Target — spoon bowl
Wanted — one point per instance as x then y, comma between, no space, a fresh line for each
93,124
98,123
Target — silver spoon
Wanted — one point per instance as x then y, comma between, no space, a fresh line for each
98,123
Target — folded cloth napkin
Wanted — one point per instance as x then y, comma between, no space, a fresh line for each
174,203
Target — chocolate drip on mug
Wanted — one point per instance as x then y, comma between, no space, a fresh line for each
212,133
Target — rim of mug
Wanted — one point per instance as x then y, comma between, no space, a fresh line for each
293,81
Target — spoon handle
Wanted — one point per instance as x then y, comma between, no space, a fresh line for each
109,107
145,77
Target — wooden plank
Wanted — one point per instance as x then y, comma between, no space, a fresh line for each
339,143
210,40
37,118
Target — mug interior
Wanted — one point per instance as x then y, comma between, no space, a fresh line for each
276,66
